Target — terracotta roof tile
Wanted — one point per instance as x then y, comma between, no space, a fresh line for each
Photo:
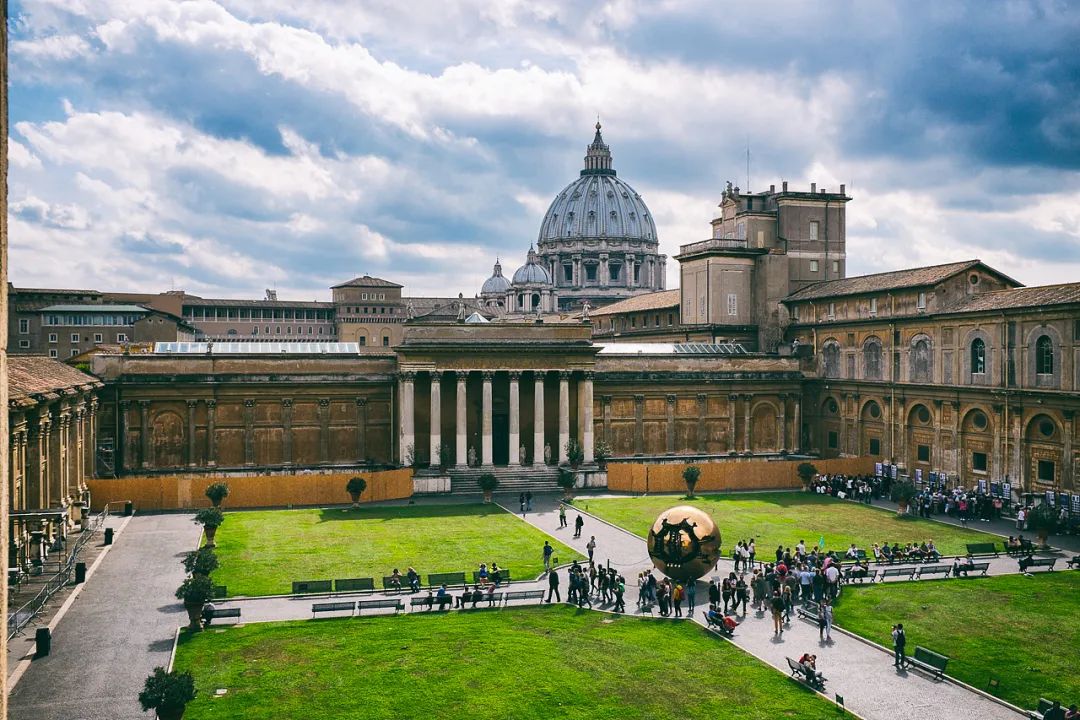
651,301
1019,298
368,281
909,278
30,375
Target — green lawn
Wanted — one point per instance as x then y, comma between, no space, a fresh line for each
262,552
787,517
528,663
1024,631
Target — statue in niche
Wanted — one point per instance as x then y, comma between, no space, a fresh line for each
472,456
585,308
522,456
461,307
547,453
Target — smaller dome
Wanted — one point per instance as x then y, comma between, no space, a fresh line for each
532,272
496,283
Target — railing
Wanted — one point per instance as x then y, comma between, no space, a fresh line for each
714,244
25,613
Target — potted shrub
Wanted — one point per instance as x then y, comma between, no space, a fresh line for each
200,562
806,472
356,487
903,492
1042,521
195,592
488,483
566,481
168,693
444,456
217,492
690,475
601,451
211,519
575,454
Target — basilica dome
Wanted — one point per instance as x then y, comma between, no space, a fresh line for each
497,283
532,272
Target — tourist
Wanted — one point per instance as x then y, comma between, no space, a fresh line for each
620,590
477,595
395,580
496,574
818,583
809,665
1026,561
741,594
714,593
1021,516
578,524
490,594
1073,713
208,611
662,597
962,565
430,599
691,596
562,515
466,595
547,556
1056,712
443,597
528,501
828,617
736,555
677,595
789,602
652,587
591,547
899,641
832,581
521,503
751,550
776,604
414,579
727,590
553,586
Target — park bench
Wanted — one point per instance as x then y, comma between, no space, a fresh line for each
494,600
504,576
389,586
907,572
802,673
1047,563
355,585
523,595
979,567
717,626
987,548
317,608
1025,547
219,592
301,587
930,661
431,603
808,611
395,604
932,570
452,579
860,554
226,613
1044,705
1074,564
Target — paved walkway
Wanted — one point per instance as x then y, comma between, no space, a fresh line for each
119,628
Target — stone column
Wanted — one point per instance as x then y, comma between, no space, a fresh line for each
62,442
605,402
732,399
515,419
671,424
485,420
564,414
603,270
639,424
746,422
935,454
144,433
286,431
578,281
781,423
324,429
1067,450
842,404
39,466
796,423
249,431
538,416
628,267
191,432
436,417
361,430
408,417
856,442
586,392
211,433
91,444
461,428
78,458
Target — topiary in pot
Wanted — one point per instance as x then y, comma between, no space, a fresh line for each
211,519
903,492
200,562
195,592
690,475
566,481
575,454
806,472
217,492
168,693
1042,521
356,487
601,452
487,483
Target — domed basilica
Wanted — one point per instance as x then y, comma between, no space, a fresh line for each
597,243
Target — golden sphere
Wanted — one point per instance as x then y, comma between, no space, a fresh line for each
684,543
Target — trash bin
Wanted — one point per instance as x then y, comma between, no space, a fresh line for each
129,509
80,573
43,642
108,536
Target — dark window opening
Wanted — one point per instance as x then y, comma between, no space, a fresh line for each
875,446
1046,471
1044,356
978,461
978,356
834,440
924,453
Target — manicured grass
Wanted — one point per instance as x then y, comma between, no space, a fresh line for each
528,663
787,517
262,552
1024,631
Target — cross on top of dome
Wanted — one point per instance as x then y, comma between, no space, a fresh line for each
598,156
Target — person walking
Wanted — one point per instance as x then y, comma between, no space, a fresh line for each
521,503
899,641
776,604
620,590
591,547
742,595
714,595
553,586
828,614
677,598
578,524
691,596
547,556
528,501
562,515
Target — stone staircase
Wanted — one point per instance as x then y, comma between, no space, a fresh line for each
511,480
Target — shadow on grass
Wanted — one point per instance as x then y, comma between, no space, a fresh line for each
408,512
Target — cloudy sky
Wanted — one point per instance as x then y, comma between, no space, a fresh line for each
226,146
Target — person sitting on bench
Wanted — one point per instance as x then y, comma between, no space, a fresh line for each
809,665
963,565
395,580
414,580
930,551
1013,545
878,557
477,595
1026,561
715,617
430,599
860,570
443,597
208,611
886,552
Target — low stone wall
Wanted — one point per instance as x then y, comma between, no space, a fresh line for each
726,475
249,491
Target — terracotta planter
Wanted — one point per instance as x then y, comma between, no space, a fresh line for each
355,499
567,493
487,496
170,713
210,533
194,611
1042,535
901,508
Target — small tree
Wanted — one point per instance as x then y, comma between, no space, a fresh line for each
217,492
211,519
410,455
575,454
903,492
443,455
200,562
487,483
601,451
195,592
690,475
356,487
168,693
806,472
566,480
1042,521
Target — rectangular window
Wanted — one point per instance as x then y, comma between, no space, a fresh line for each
761,238
568,273
873,307
590,273
740,231
24,344
52,337
386,341
255,330
978,461
74,337
363,296
732,304
1076,329
1046,471
875,446
633,321
656,321
74,352
832,311
671,318
97,337
924,453
382,296
834,440
813,266
813,229
53,353
921,304
795,313
363,341
24,326
836,267
851,367
613,272
637,273
121,337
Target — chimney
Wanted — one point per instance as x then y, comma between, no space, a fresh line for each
784,186
843,189
824,191
813,187
772,189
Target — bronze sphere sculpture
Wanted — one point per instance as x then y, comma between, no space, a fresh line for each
684,543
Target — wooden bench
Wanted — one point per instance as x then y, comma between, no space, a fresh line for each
504,576
226,613
317,608
1074,564
908,572
987,548
494,600
389,586
434,604
808,612
717,626
1044,705
1047,563
802,673
930,661
979,567
395,604
302,587
932,570
355,585
453,579
523,595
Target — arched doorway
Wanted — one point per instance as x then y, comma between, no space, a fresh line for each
871,429
1043,452
920,439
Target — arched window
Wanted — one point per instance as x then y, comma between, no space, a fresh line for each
920,360
978,356
872,359
830,355
1044,356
